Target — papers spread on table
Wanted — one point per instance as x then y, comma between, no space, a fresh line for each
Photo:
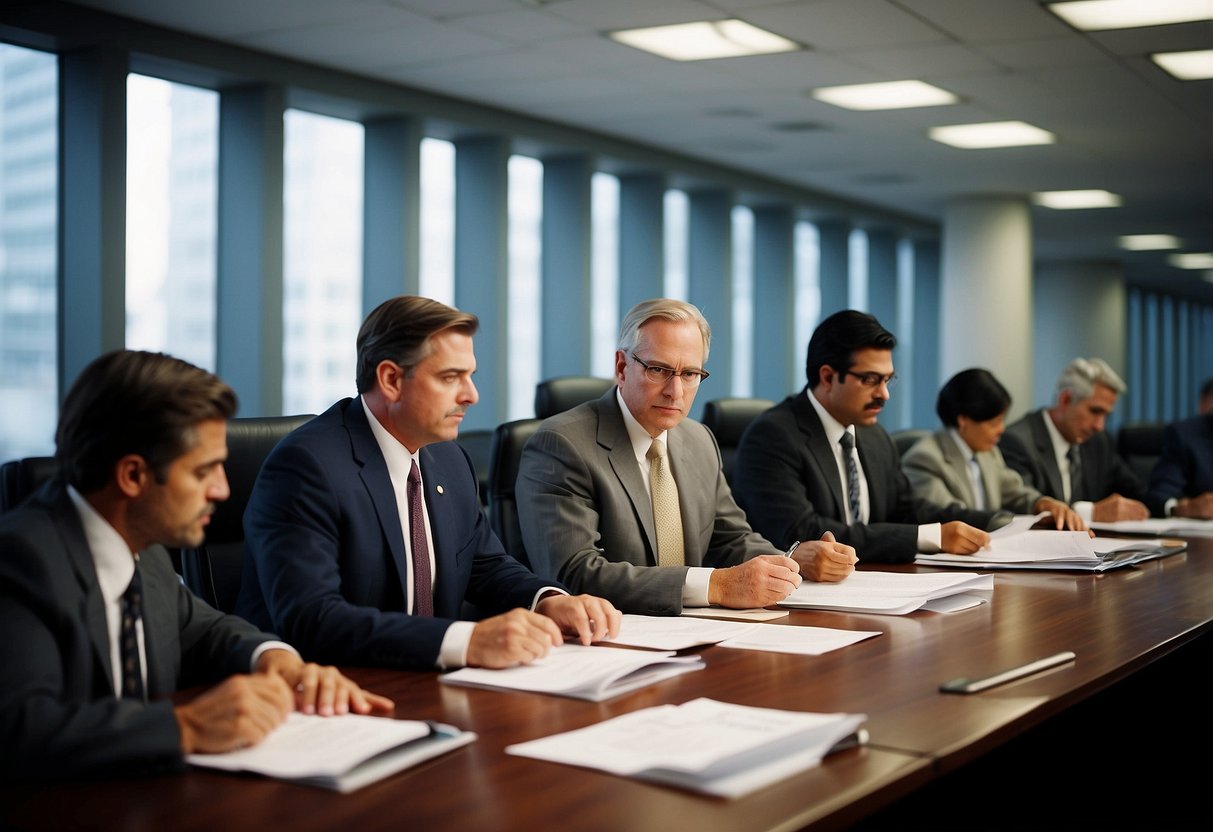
593,673
1027,548
703,745
1160,527
670,633
342,753
756,614
890,593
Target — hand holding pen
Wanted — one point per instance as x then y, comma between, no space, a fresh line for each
823,560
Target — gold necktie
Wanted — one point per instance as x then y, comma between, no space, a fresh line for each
666,515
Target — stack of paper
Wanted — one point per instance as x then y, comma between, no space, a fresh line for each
342,753
1053,549
891,593
672,633
1160,527
594,673
702,745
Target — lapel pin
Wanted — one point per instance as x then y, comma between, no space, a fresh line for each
439,489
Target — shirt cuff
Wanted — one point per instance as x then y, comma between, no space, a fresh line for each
930,538
1084,508
269,645
695,588
454,649
544,593
1168,508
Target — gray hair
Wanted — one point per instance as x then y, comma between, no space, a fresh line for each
666,309
1082,374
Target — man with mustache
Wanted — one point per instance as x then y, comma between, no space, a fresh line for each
819,462
364,536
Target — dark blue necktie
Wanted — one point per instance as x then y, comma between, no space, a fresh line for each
131,607
848,454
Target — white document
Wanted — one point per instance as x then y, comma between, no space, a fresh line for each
755,614
342,753
702,745
663,632
1052,549
884,593
1160,526
593,673
804,641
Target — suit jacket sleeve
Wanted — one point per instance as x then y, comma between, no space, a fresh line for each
931,478
1018,452
1185,466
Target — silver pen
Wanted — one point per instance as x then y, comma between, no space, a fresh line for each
791,549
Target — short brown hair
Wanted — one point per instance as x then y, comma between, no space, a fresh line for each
133,402
399,330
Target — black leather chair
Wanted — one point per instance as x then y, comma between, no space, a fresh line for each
728,418
479,445
905,439
555,395
21,477
508,440
213,569
1140,445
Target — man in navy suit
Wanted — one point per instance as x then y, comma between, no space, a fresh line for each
333,559
98,629
1181,484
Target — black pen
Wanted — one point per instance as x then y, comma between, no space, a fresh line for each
791,549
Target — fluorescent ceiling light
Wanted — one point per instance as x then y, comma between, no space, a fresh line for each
1186,66
890,95
1192,261
1149,242
1066,200
1094,15
991,134
705,39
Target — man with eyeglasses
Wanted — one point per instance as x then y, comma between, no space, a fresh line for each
818,461
625,498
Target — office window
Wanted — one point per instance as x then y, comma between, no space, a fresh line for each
525,252
437,248
322,259
677,245
29,217
743,301
857,269
806,264
604,273
171,207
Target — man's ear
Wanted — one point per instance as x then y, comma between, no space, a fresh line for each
389,376
130,475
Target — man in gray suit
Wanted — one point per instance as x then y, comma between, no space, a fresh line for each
98,629
623,497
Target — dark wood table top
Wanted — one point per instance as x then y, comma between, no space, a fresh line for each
1116,622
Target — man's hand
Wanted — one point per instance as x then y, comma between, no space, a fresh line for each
1200,506
588,617
1063,516
1114,508
513,638
759,582
234,714
825,560
321,689
959,538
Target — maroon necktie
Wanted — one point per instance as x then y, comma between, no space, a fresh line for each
128,641
423,601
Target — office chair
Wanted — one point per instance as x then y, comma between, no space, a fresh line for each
728,418
555,395
508,439
21,477
213,569
906,439
1140,445
479,445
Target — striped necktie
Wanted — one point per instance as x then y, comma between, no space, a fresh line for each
667,518
848,454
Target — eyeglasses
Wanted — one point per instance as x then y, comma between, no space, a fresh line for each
871,379
660,375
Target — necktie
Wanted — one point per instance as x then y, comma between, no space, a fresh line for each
666,515
1075,474
423,591
848,454
979,488
128,640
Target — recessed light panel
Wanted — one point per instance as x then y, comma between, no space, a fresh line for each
704,40
991,134
1094,15
1186,66
1149,242
890,95
1203,260
1065,200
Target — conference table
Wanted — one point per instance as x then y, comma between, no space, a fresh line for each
1121,624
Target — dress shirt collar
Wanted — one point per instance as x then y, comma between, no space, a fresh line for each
832,427
112,558
1061,448
638,436
965,450
399,460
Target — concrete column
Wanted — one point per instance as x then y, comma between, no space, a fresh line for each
566,295
641,239
391,210
710,280
777,369
834,244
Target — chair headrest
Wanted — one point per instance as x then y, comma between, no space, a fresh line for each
508,439
556,395
728,418
1141,438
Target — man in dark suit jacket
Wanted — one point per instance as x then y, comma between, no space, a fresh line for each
791,473
1045,445
334,560
140,450
1181,484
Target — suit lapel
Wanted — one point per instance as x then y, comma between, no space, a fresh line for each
374,475
1048,457
955,460
159,620
75,546
814,437
613,437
